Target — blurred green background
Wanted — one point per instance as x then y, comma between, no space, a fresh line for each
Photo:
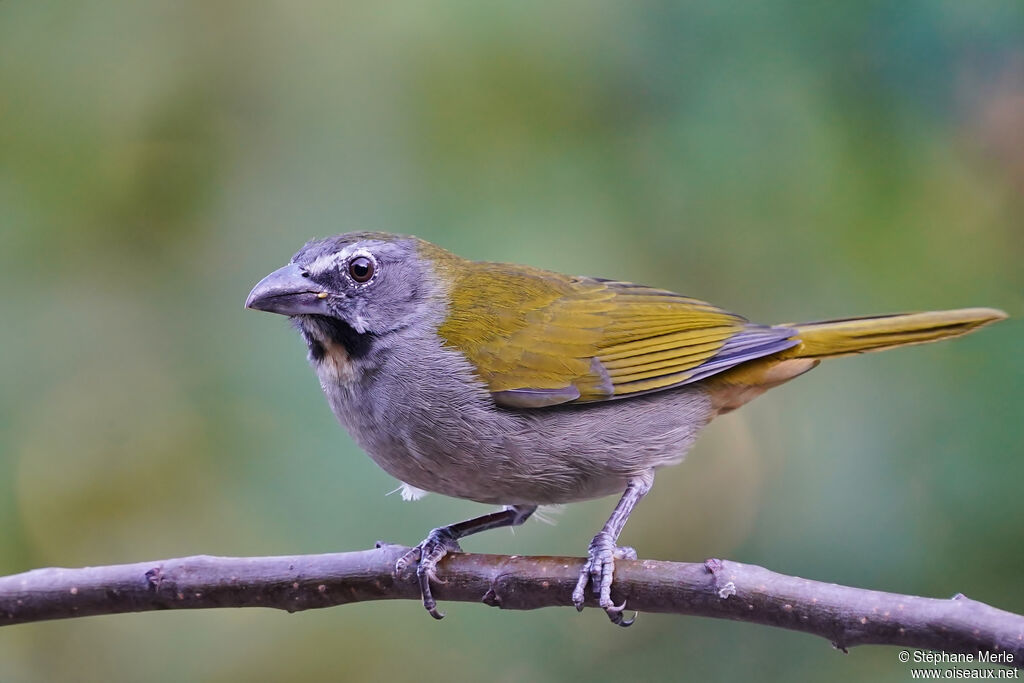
786,160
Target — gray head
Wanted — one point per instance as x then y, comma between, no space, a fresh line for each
349,289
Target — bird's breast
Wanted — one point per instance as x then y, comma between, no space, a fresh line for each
420,412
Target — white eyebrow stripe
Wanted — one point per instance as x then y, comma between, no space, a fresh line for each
328,261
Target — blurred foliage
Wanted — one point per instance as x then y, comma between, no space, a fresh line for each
786,160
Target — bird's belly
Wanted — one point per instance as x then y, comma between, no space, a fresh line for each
484,485
472,450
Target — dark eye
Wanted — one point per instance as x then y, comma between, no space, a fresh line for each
360,268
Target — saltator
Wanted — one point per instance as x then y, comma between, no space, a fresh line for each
510,385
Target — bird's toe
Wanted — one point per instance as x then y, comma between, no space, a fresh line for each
438,543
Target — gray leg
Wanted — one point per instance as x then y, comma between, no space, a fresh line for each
600,565
445,539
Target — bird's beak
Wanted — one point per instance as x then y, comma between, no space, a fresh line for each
287,292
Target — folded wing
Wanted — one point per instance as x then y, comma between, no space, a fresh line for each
539,339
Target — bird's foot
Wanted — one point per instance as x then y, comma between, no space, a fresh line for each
599,570
427,554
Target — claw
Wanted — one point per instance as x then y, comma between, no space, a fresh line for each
598,570
602,553
429,603
578,593
614,613
445,539
427,554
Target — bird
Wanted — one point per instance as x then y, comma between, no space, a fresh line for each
519,387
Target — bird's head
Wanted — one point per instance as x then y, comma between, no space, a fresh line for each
351,289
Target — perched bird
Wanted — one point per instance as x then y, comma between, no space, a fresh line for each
515,386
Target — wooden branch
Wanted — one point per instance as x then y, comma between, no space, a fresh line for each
721,589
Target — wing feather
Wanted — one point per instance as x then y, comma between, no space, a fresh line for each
541,339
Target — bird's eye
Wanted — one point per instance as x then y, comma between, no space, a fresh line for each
361,269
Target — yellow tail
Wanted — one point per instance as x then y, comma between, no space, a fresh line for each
874,333
732,388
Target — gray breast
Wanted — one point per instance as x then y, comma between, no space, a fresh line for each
419,411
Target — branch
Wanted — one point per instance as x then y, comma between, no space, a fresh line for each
720,589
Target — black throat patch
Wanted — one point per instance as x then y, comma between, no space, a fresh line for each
318,330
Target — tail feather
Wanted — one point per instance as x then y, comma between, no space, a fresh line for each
874,333
745,382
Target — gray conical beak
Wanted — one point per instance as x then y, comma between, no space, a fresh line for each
287,292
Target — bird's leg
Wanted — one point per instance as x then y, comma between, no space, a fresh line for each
445,539
600,565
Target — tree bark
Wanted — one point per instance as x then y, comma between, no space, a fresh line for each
720,589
